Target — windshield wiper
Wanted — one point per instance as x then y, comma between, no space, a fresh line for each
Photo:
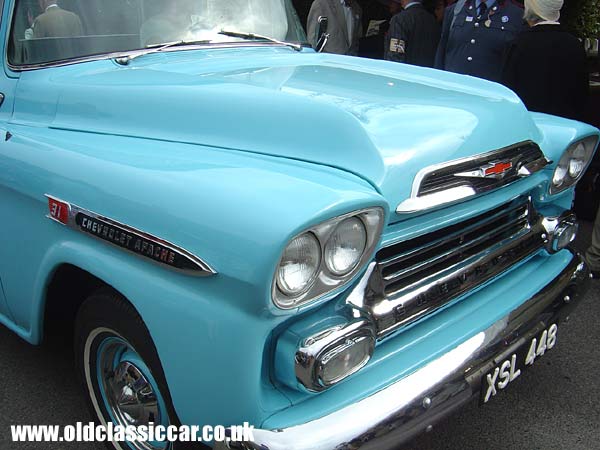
252,36
155,48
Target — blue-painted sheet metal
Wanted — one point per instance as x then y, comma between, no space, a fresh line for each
555,131
230,153
379,120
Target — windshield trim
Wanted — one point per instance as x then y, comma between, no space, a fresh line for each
114,55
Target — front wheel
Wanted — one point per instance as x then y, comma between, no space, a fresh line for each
120,370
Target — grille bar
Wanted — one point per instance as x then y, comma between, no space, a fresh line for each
462,250
458,247
415,247
415,278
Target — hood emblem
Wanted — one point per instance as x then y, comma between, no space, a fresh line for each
493,170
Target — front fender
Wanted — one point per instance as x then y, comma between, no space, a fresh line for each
558,133
209,332
198,337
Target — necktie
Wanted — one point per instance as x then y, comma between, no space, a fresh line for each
482,8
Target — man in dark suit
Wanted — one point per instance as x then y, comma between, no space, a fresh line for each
56,22
344,27
546,65
413,36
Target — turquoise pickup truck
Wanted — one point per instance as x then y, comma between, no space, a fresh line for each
238,228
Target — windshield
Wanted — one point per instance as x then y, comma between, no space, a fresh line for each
45,31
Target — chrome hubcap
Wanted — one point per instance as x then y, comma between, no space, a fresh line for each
128,390
133,397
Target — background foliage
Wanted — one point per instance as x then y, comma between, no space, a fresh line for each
582,17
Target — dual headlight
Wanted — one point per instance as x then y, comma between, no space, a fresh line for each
325,257
573,164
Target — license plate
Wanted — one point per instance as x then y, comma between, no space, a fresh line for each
500,377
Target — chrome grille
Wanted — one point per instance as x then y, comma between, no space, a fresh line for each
448,177
416,277
412,261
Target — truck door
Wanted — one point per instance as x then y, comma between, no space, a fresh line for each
8,83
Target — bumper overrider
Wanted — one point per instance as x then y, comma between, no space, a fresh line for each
413,404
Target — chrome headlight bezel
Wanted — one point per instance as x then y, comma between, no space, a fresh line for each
563,177
326,280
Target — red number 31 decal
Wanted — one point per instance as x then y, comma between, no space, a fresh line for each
59,211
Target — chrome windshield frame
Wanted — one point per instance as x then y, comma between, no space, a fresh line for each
114,55
17,68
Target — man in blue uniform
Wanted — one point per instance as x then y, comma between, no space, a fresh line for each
476,35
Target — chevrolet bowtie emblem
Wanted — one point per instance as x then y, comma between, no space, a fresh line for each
492,170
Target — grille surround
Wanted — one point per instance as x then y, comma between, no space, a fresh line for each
444,178
453,181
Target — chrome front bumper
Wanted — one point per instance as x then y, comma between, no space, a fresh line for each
408,407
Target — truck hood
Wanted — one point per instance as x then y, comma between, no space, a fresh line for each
381,121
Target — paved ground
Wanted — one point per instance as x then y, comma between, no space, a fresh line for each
555,405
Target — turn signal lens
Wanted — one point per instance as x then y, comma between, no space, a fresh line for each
564,235
343,361
561,231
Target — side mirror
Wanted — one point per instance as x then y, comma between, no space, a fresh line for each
323,34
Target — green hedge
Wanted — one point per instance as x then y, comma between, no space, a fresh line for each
582,17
